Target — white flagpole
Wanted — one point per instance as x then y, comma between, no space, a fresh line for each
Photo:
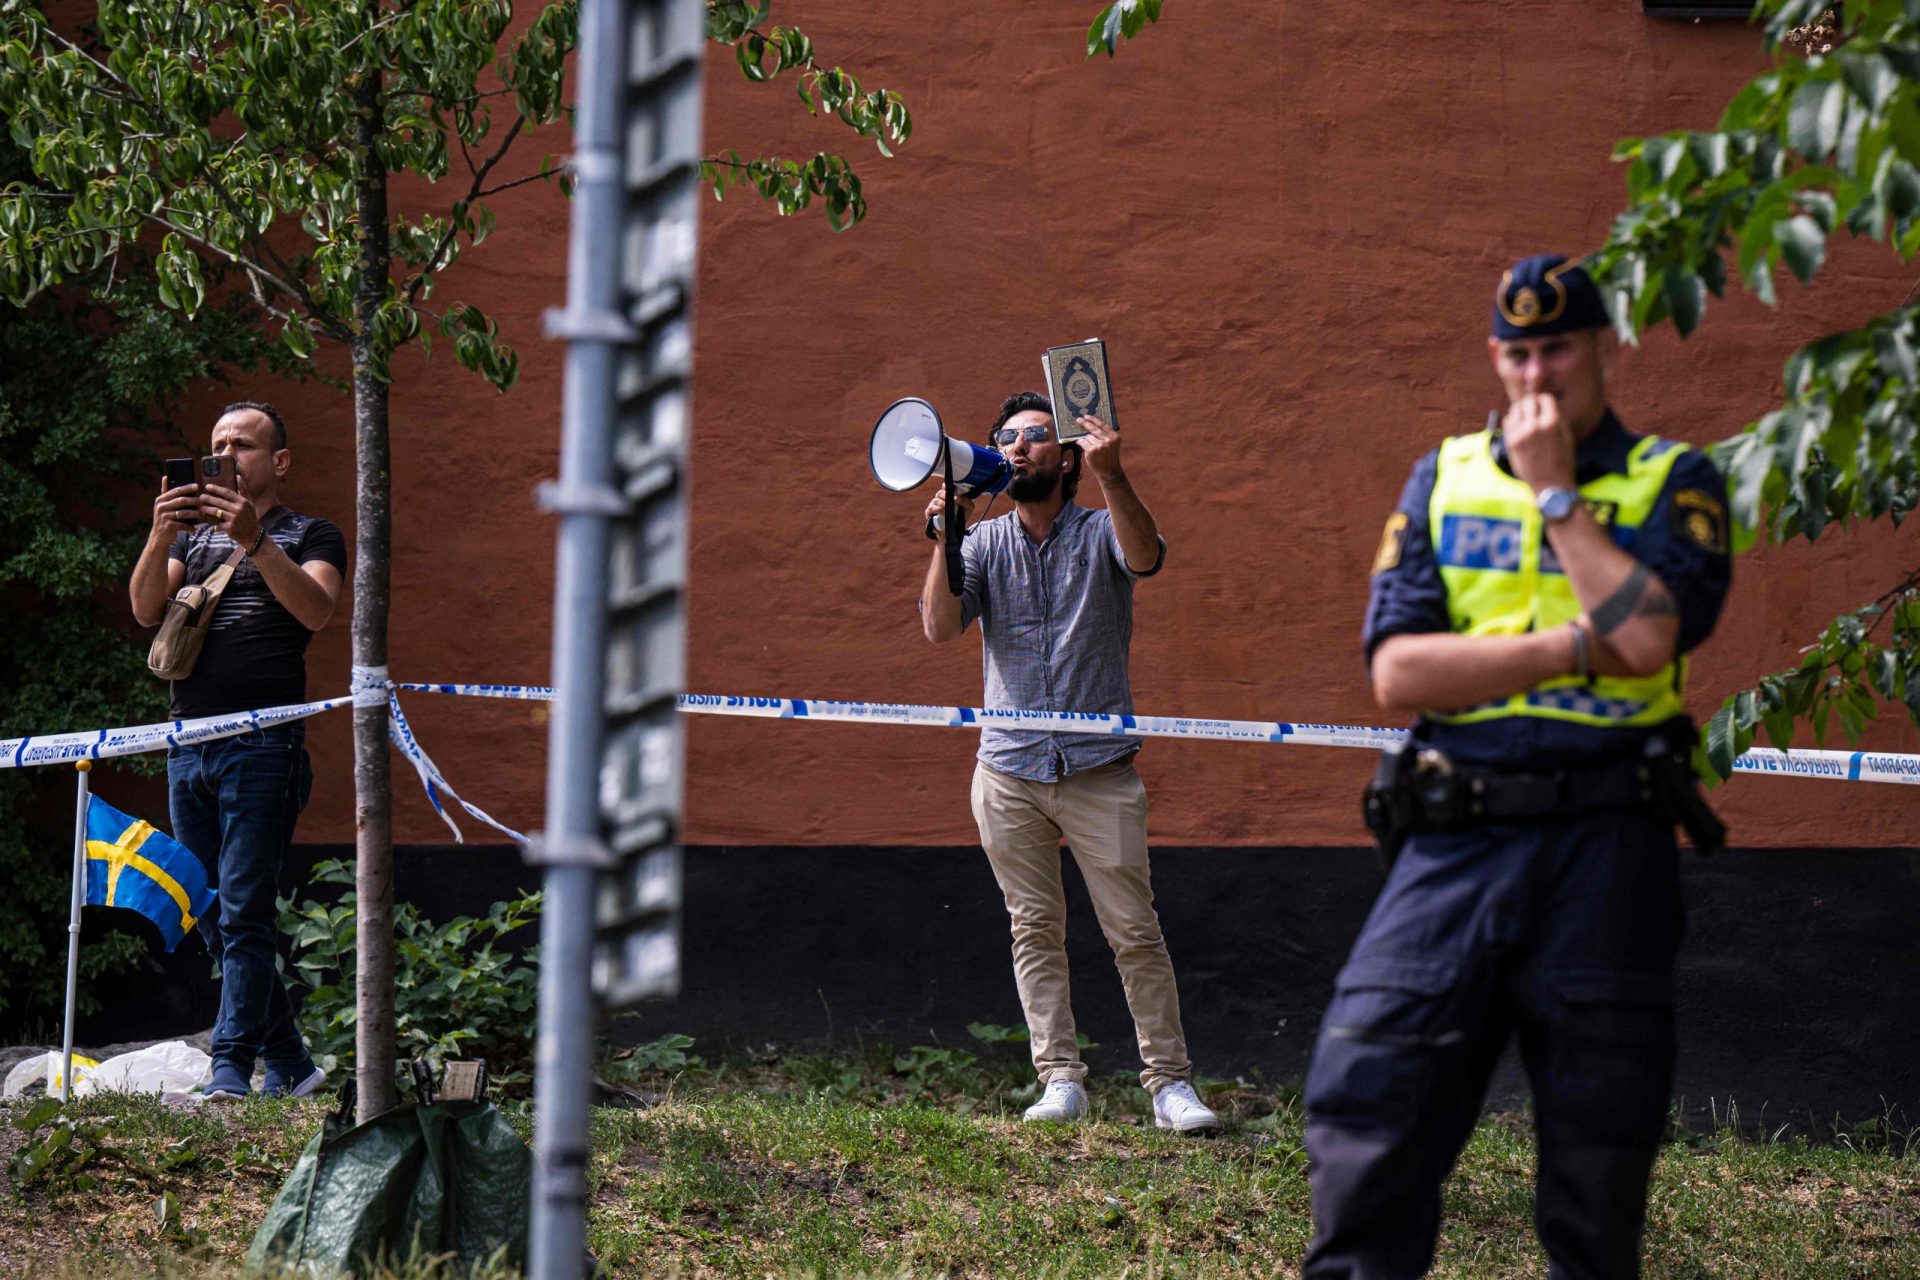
73,928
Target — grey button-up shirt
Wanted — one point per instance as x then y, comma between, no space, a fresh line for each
1055,621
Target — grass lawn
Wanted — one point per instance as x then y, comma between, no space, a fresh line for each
919,1166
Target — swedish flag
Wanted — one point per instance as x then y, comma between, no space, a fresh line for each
131,865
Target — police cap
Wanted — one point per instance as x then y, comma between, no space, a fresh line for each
1547,293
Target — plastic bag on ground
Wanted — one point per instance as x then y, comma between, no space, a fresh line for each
170,1066
46,1068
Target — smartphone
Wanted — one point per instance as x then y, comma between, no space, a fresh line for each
218,468
179,472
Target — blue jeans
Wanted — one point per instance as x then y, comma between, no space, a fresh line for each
234,804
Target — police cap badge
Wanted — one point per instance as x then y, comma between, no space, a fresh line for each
1548,293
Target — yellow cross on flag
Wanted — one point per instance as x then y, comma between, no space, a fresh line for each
133,866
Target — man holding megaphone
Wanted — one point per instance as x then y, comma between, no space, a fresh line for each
1051,583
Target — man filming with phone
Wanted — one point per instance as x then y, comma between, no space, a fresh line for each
1051,584
234,801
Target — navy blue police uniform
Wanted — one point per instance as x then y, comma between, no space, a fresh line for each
1559,928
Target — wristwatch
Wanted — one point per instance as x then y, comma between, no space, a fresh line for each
1556,504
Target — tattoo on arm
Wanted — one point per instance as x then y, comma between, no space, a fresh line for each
1641,596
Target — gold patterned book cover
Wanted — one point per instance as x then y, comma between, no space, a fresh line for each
1078,383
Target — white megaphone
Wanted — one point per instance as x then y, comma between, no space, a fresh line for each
908,445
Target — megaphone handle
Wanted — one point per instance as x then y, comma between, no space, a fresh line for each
955,531
936,522
956,568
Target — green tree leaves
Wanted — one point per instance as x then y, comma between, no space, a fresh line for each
1121,20
1817,145
227,131
792,184
764,55
1861,659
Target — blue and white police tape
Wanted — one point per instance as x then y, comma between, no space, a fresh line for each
430,777
1324,735
1331,735
523,692
105,744
1838,766
1847,766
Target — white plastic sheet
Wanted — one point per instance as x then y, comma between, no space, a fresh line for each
45,1068
170,1066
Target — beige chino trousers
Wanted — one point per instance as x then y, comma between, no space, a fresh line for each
1102,815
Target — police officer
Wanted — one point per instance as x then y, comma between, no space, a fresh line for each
1533,600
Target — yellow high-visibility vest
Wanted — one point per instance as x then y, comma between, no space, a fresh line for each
1503,579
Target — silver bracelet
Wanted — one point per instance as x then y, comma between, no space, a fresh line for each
1582,651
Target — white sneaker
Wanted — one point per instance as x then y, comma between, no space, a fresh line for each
1178,1107
1063,1100
301,1088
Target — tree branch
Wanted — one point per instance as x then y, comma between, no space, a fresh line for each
254,237
412,287
326,321
1905,588
450,103
387,21
508,186
298,288
260,297
98,65
87,231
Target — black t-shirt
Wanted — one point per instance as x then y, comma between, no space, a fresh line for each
256,652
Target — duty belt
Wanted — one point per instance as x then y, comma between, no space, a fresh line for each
1446,795
1421,789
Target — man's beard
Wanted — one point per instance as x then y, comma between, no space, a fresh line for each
1033,486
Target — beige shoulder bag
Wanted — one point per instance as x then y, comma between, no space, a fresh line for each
189,614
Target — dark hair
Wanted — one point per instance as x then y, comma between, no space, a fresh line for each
268,411
1034,402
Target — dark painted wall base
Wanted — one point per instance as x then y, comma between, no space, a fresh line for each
1797,985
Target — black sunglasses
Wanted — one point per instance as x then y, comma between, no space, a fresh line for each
1007,435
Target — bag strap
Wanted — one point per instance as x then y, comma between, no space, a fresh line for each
216,583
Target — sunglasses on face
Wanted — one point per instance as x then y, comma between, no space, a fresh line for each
1007,435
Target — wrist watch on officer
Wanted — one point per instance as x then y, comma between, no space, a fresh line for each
1556,504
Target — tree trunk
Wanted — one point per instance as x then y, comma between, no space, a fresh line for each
374,1040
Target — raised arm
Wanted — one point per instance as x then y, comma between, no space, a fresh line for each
1133,524
156,575
941,616
1634,618
1416,661
307,591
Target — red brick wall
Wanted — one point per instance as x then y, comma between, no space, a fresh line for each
1286,220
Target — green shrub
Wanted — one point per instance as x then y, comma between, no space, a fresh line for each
455,994
665,1055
